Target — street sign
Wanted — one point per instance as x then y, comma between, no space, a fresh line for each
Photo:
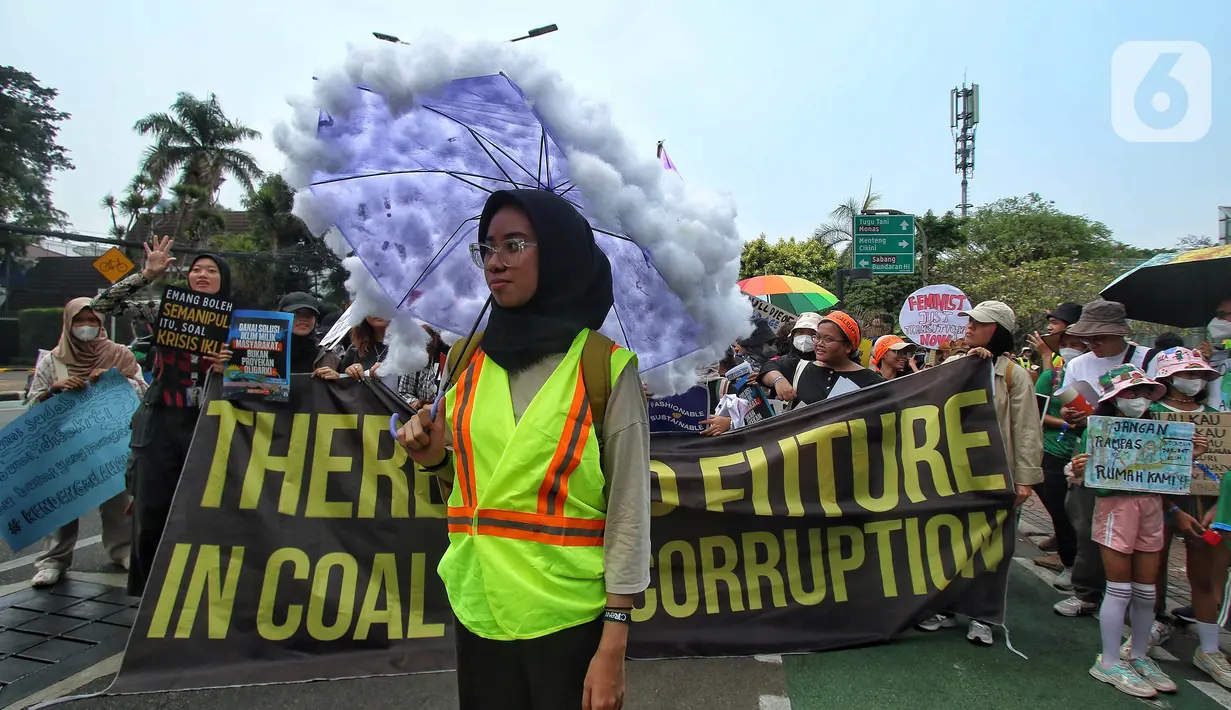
114,265
885,243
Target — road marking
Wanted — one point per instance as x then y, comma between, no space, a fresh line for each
1042,573
109,666
769,658
773,702
1216,692
29,559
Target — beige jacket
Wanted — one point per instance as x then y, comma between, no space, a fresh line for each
1021,426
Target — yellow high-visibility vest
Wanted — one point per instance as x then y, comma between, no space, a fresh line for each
527,511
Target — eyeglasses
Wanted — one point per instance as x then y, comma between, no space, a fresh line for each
827,341
510,251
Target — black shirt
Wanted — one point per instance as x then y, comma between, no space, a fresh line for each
816,381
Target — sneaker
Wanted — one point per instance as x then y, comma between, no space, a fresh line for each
1072,606
1185,614
46,577
1123,677
979,633
1064,580
940,621
1148,670
1048,544
1215,665
1160,633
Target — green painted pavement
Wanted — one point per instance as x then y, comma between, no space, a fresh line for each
943,670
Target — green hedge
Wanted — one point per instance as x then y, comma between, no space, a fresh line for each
40,328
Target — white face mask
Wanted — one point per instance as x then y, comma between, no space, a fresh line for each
1132,408
85,333
1220,330
804,343
1069,354
1188,387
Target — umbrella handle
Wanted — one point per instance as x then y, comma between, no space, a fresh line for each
394,421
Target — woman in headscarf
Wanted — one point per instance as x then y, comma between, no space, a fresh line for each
164,423
83,354
549,519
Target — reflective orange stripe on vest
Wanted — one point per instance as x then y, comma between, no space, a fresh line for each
549,529
462,412
554,489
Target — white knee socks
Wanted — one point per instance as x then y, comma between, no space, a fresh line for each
1141,615
1111,620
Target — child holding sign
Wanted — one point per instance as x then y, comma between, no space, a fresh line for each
1129,527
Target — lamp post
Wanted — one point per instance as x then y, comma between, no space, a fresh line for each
531,34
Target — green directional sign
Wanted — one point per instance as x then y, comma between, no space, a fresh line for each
885,243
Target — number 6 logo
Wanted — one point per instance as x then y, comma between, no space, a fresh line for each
1160,92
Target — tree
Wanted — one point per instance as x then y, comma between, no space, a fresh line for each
810,259
1019,230
1193,241
141,197
198,140
29,153
837,230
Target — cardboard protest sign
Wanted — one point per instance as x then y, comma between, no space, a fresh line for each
681,412
774,315
260,366
1139,455
192,322
930,317
1216,426
63,458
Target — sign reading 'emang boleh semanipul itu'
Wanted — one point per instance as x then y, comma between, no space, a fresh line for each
192,322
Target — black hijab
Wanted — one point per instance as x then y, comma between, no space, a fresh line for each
224,273
574,289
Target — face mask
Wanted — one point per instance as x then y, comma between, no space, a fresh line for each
1069,354
1220,330
1188,387
804,343
85,333
1132,408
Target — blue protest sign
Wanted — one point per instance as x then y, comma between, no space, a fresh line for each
681,412
260,366
63,458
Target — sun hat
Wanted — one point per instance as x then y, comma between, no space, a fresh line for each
884,344
807,321
1176,360
849,326
1122,377
1101,318
993,312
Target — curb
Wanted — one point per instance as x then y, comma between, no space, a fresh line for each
11,396
16,369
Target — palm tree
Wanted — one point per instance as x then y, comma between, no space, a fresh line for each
197,139
838,230
141,196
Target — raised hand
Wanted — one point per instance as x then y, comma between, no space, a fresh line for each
158,259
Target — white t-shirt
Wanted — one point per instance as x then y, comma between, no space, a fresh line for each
1088,368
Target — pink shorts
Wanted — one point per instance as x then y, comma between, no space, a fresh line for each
1129,523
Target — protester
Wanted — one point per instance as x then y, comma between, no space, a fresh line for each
1105,330
836,345
1129,528
541,623
989,334
419,388
786,333
1059,441
1217,350
306,352
83,354
1166,341
892,356
740,381
163,425
1185,374
1058,321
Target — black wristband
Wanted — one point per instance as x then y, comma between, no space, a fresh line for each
433,469
620,617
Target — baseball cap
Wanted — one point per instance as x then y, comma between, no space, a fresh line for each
296,300
993,312
884,344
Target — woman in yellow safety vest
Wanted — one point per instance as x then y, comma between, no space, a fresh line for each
549,514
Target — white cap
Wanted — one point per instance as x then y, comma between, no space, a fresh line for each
807,321
993,312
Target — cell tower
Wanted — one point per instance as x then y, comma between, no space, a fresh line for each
963,119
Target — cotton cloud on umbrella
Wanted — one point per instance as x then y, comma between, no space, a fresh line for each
688,234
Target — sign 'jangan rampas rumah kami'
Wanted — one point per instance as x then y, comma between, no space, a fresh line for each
303,544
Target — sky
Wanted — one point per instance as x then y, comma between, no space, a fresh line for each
789,109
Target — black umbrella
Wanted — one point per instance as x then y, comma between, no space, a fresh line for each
1177,289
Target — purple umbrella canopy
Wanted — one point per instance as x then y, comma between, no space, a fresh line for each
405,185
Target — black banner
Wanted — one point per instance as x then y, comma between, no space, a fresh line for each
303,545
193,322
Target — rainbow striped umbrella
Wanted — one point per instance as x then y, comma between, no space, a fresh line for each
789,293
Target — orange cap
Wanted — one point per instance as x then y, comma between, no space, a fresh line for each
849,326
884,344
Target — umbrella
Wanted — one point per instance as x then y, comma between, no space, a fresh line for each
1179,289
408,184
789,293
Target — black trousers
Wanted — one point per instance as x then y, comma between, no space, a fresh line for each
1052,492
160,440
1088,579
546,673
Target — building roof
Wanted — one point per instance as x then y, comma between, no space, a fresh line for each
234,222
